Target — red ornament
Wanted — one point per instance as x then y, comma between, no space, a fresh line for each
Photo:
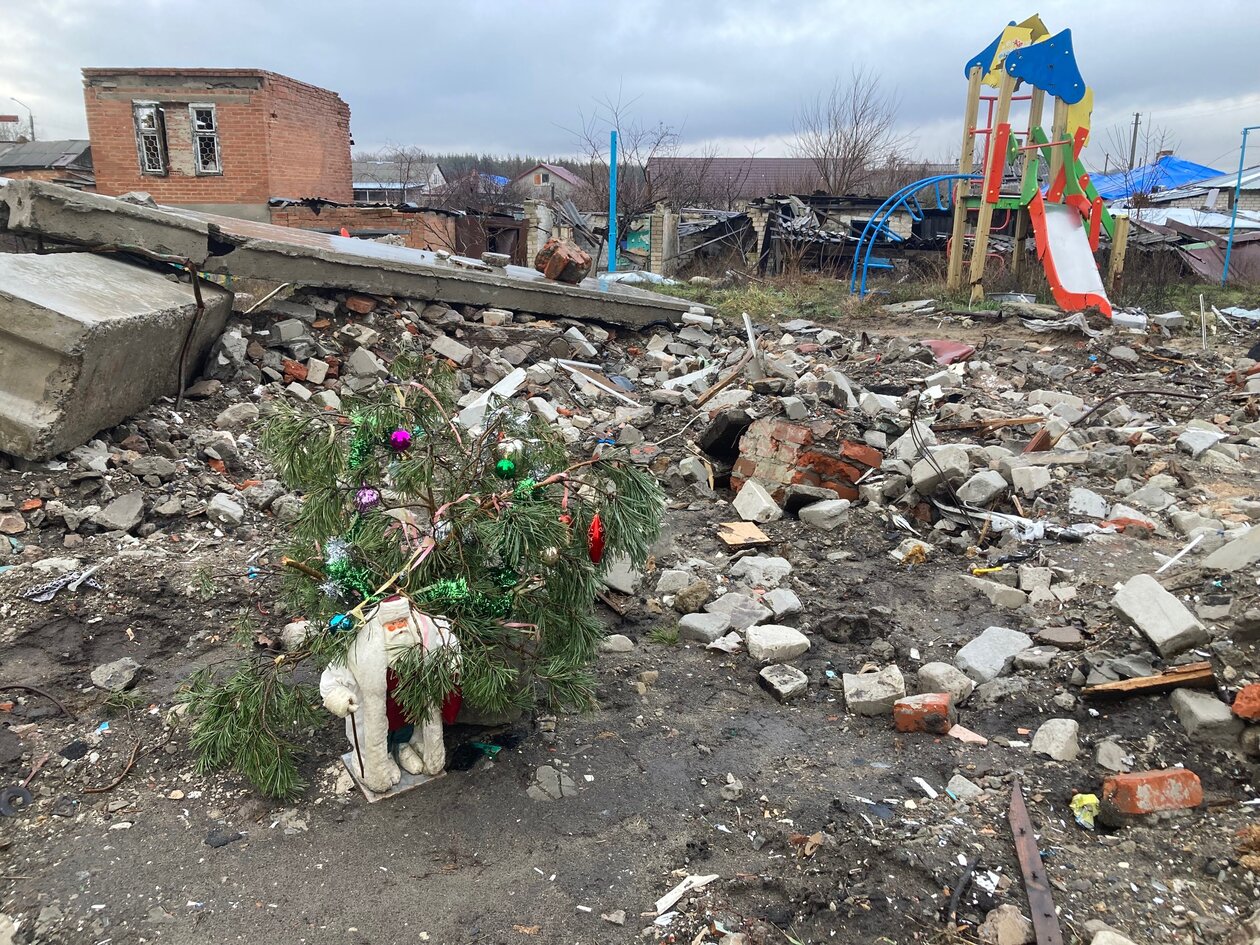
595,539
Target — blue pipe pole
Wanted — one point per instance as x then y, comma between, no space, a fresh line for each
1233,218
612,201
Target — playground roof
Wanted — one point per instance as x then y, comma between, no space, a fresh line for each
1165,173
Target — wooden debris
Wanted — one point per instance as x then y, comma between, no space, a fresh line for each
742,535
1199,675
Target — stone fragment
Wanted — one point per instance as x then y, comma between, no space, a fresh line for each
447,347
782,601
363,363
550,784
236,417
1206,718
1087,504
1161,618
754,504
928,712
943,464
616,643
764,571
117,676
692,597
991,653
1058,739
1196,442
703,628
873,693
783,682
1111,756
1235,555
962,788
982,488
772,642
672,581
621,575
827,515
316,371
942,677
1000,595
122,514
224,511
743,609
1006,925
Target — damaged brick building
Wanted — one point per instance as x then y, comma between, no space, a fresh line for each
217,140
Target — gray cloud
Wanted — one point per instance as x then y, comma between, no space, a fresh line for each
512,77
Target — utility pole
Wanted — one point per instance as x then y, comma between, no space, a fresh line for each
30,116
1137,120
1233,218
612,201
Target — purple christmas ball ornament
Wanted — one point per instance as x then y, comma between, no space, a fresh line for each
367,498
399,440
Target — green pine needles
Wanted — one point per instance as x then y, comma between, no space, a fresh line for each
495,528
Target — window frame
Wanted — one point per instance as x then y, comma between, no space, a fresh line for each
158,133
212,135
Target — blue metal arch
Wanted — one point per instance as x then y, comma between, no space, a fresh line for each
878,222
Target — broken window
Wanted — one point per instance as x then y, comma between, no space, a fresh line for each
150,137
205,134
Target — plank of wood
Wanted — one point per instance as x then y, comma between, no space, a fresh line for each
1036,884
1199,675
742,535
966,162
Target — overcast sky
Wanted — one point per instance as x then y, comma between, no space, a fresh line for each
513,77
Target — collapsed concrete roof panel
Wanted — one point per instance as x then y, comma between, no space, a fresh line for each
244,248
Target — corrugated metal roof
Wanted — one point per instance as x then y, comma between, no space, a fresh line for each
1225,181
1190,216
28,155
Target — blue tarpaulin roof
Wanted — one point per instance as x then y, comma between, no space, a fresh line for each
1165,173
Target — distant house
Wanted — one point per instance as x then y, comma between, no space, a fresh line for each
63,162
548,182
394,180
1215,193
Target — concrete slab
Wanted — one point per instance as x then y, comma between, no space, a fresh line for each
87,341
247,249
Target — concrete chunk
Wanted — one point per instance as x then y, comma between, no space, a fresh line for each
1058,739
827,515
703,628
941,677
773,642
1206,718
88,341
1240,553
982,488
754,504
1163,619
991,654
873,693
783,682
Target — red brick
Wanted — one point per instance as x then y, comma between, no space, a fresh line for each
1247,703
930,712
1145,792
293,370
361,304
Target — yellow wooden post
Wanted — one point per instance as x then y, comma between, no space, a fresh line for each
1119,245
994,170
1035,106
1058,132
966,162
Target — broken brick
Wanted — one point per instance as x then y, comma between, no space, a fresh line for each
361,304
563,261
928,712
293,370
1146,792
779,454
1247,703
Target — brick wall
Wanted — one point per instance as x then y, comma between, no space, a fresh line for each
421,230
308,133
277,136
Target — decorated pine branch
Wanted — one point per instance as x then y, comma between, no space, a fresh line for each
494,533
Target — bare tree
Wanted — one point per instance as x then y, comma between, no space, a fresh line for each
637,145
849,131
1150,144
401,169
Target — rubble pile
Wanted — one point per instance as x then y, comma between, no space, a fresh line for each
987,555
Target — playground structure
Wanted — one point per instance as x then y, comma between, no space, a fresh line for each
1063,211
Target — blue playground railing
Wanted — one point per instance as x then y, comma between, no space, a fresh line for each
877,225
